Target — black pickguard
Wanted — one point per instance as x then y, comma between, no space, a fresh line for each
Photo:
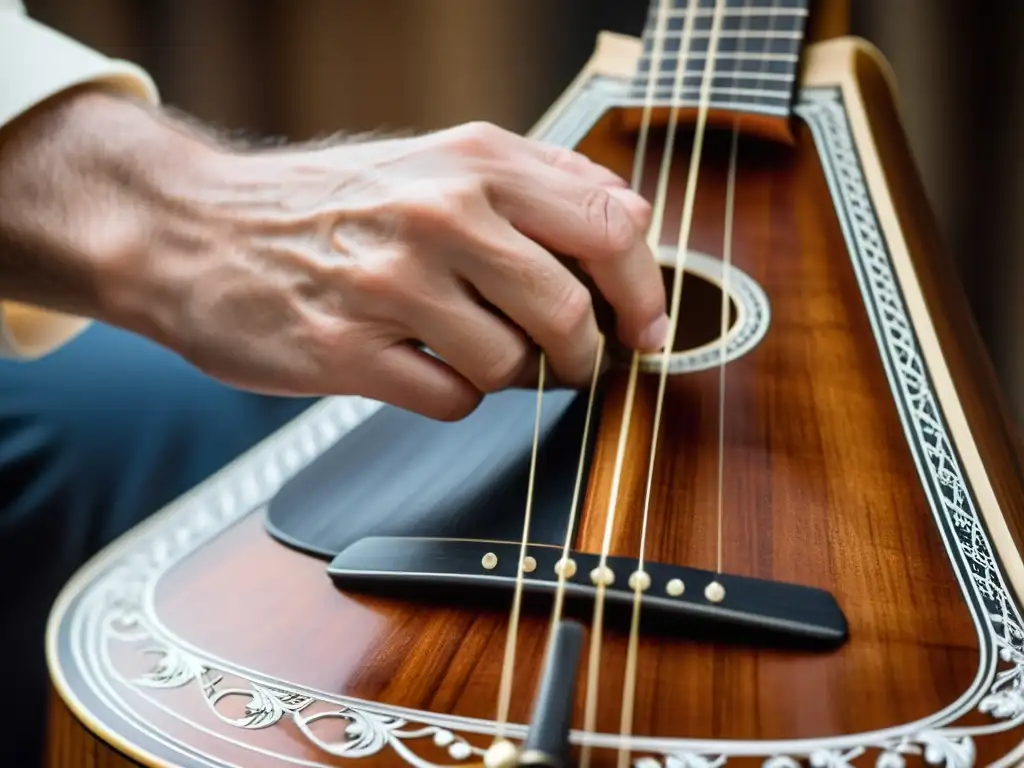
400,474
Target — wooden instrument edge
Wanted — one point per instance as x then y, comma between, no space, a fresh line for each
962,375
954,350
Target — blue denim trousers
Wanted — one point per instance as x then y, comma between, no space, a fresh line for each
93,439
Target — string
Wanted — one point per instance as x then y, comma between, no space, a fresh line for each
508,664
637,175
639,578
600,575
730,187
723,346
563,568
730,193
726,269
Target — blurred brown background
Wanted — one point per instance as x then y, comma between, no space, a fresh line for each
302,68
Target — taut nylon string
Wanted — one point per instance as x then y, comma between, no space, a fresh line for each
508,664
639,581
653,237
730,196
602,577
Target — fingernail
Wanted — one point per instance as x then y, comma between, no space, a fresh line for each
654,337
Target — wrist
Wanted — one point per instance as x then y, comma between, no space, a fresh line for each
89,181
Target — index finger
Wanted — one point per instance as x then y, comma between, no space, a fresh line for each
604,228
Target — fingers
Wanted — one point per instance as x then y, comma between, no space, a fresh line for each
540,295
604,227
577,208
485,349
407,378
575,164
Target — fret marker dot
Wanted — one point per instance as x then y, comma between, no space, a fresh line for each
566,568
641,579
715,592
602,576
529,564
675,587
489,561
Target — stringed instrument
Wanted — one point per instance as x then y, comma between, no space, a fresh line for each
793,539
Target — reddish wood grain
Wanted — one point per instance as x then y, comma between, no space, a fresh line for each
820,489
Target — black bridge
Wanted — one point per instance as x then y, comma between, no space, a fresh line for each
688,600
433,511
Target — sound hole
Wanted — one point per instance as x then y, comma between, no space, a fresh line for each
700,310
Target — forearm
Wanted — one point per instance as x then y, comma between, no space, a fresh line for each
89,183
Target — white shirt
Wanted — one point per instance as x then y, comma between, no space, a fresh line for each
37,62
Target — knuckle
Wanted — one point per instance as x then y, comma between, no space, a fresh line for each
604,212
559,157
377,285
464,194
327,341
448,205
478,137
572,312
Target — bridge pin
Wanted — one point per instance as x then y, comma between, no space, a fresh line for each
602,575
714,592
565,567
675,587
639,580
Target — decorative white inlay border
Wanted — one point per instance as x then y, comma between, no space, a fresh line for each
115,605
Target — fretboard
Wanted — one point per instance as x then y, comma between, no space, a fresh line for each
753,68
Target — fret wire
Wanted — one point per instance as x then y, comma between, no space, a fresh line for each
723,103
744,31
725,79
752,34
727,48
708,8
754,28
785,76
732,55
725,90
675,13
670,45
747,22
755,62
771,22
730,14
782,78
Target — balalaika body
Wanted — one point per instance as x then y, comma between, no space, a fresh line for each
318,602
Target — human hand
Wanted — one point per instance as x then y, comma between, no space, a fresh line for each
332,260
306,271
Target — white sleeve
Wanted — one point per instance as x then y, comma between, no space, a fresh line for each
37,62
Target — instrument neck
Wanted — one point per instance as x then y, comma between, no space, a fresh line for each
753,68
